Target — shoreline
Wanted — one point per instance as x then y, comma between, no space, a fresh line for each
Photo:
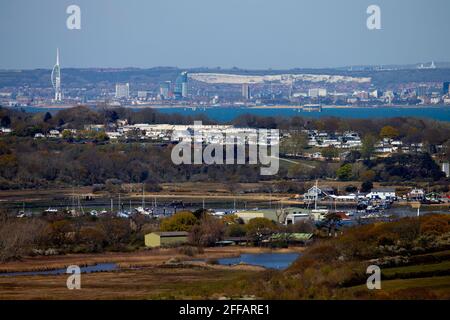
284,107
163,107
137,259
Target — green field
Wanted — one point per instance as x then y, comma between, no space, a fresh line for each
417,271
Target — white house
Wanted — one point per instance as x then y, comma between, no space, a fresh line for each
54,134
314,192
382,193
416,194
113,135
39,136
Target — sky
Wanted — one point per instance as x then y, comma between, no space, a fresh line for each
251,34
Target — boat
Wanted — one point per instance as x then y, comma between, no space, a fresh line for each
123,214
144,211
319,214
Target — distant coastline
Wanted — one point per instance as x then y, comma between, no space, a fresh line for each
284,106
229,113
179,106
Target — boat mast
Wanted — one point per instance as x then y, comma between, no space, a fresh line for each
316,196
143,199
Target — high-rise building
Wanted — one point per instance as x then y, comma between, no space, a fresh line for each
317,92
142,95
246,91
446,169
56,79
165,90
181,86
122,90
445,87
421,91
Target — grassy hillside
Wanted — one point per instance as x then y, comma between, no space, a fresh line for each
412,253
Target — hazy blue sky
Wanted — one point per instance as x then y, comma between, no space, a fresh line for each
226,33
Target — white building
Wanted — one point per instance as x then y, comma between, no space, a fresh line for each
446,169
416,194
54,134
382,193
39,136
314,193
122,91
113,135
142,95
297,216
317,92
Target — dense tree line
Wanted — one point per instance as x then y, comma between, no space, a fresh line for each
27,163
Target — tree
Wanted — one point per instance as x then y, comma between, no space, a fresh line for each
208,232
117,231
295,144
389,132
67,135
8,166
329,153
344,173
5,121
18,236
259,228
366,186
47,117
331,222
236,230
101,136
368,146
181,221
368,175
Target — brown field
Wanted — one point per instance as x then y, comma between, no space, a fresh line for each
145,283
142,275
135,259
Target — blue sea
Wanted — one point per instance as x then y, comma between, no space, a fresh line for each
225,114
441,113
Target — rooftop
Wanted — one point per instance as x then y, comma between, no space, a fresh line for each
172,234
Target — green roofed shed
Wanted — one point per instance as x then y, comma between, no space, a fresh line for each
164,239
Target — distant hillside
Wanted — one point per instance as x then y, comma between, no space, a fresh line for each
105,77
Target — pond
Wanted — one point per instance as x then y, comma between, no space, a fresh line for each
100,267
279,261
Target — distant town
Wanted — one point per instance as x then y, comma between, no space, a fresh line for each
87,176
423,84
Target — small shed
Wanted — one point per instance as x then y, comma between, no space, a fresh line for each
164,239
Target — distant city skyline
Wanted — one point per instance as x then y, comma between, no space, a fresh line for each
249,34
